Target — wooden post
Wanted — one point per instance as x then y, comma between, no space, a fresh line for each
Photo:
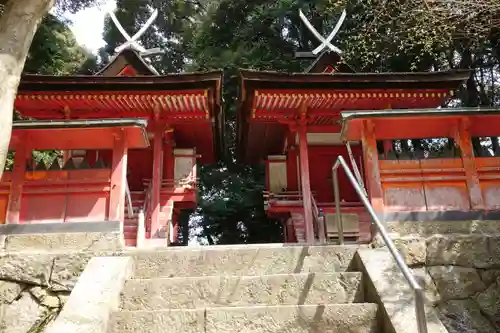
305,182
291,164
464,141
17,183
174,236
156,180
372,169
169,153
118,178
66,153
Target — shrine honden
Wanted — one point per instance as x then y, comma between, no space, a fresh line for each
298,124
131,140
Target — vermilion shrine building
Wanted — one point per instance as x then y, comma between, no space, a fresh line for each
132,140
126,127
297,124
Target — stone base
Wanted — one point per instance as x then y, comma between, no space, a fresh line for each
88,236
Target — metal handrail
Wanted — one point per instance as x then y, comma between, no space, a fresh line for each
410,278
128,197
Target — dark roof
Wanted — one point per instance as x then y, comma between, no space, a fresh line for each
199,80
125,58
276,80
325,59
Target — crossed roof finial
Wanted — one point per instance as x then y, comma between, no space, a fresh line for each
131,42
324,42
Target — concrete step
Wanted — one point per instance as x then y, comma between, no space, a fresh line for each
220,291
331,318
242,260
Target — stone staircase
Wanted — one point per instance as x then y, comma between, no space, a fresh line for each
245,289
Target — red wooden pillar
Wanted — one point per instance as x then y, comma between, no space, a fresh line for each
169,155
17,183
66,153
169,170
118,178
175,227
465,142
372,169
156,179
292,178
305,182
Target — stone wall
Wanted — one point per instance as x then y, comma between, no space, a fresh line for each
34,287
462,277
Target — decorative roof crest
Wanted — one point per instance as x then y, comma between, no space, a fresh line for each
132,42
325,43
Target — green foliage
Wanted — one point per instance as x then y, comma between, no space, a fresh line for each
171,31
74,6
54,50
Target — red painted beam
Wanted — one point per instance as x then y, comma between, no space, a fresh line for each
77,138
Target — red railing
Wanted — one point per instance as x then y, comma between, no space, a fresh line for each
296,197
318,222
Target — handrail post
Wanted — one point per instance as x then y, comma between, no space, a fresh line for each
141,229
420,310
336,194
321,227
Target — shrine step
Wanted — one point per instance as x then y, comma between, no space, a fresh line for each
216,291
130,231
329,318
270,288
242,260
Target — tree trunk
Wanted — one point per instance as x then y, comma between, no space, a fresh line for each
18,24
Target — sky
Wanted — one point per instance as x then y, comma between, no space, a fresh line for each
88,25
